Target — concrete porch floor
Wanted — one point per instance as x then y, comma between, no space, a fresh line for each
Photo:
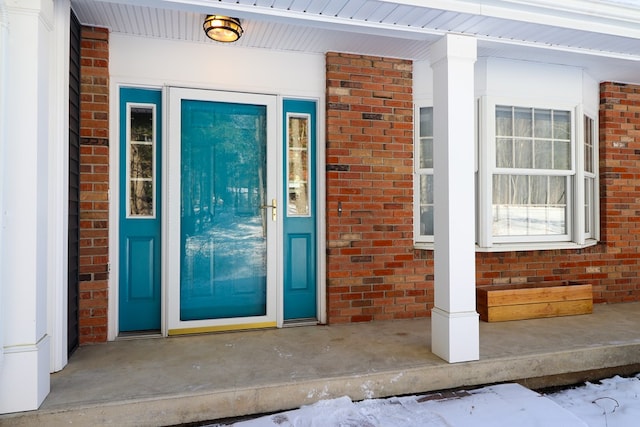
167,381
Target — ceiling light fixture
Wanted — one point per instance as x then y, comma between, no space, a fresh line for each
222,28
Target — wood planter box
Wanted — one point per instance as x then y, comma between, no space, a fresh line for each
499,303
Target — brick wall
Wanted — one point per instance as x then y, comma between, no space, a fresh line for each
613,266
94,184
620,189
372,270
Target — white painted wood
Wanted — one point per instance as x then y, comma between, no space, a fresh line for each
455,328
4,35
58,223
24,375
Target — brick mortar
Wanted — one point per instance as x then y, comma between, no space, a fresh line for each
94,185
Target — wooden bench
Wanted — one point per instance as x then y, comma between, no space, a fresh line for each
500,303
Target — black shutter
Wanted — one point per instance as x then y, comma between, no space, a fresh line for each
73,337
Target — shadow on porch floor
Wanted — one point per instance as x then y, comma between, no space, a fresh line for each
166,381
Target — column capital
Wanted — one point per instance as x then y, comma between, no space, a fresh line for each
454,46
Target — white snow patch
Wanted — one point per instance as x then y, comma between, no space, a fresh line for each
614,402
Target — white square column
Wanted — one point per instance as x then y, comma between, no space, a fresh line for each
454,323
25,141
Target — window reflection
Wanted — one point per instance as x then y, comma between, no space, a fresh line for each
298,164
141,156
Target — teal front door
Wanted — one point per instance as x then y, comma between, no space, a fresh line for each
299,216
223,211
140,205
223,271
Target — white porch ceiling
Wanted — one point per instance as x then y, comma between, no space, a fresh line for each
602,36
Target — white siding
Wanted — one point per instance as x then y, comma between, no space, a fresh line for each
533,81
215,66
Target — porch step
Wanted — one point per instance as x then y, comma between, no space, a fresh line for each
181,380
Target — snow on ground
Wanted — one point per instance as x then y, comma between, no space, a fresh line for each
613,402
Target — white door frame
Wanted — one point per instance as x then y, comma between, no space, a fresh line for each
171,214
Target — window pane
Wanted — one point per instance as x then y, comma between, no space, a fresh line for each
141,124
561,152
501,190
141,197
543,154
588,159
141,151
426,189
504,153
588,204
522,121
557,190
426,205
223,248
523,153
562,125
542,138
543,124
426,122
425,161
426,220
588,144
519,189
504,120
141,161
426,153
529,205
426,138
539,190
298,164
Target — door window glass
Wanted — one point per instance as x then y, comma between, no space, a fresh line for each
141,154
223,214
298,164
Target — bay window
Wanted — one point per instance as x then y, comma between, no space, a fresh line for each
536,180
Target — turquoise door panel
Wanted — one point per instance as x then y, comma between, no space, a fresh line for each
299,223
300,268
139,218
223,266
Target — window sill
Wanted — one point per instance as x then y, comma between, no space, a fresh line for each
510,247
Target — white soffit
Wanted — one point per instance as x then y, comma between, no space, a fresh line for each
572,32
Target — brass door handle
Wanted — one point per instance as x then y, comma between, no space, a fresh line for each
274,207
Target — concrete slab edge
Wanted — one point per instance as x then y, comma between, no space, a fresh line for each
219,404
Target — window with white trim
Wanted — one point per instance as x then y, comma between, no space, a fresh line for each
423,183
537,186
141,168
590,179
531,174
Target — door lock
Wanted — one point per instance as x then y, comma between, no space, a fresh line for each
274,209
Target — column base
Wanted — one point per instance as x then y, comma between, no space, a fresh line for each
455,337
24,377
